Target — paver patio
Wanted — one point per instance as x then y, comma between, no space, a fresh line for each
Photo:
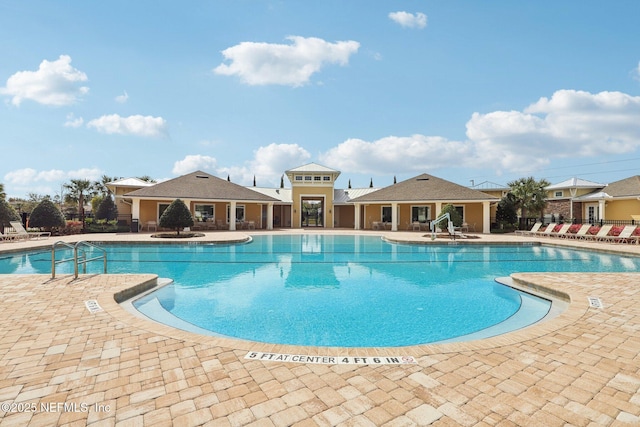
581,368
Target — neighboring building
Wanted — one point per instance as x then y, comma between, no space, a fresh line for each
492,189
592,202
561,198
420,199
312,201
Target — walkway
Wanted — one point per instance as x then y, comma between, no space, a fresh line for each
582,368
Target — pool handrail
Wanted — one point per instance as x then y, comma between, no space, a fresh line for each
77,259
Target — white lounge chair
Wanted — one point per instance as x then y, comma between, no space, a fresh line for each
624,236
602,234
547,231
22,233
562,232
533,230
580,233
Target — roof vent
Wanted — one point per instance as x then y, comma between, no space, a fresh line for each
422,179
202,176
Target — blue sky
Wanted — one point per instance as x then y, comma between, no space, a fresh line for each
464,90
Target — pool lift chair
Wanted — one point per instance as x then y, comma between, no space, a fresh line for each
452,232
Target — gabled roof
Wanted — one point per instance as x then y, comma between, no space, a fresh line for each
628,187
575,183
202,186
313,167
423,188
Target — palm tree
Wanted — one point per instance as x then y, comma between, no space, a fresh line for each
3,195
147,178
77,189
530,195
101,185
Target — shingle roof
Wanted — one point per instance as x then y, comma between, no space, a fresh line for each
202,186
425,187
628,187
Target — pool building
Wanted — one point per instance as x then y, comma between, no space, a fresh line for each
311,201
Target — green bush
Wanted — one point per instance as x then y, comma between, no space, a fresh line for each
7,214
453,214
176,216
107,209
46,215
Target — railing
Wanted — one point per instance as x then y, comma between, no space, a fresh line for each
79,257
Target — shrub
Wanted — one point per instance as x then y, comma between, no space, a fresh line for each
176,216
46,215
453,214
7,213
574,228
593,230
107,209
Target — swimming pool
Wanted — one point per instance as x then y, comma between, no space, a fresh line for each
336,290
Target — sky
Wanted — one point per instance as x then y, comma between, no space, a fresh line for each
469,91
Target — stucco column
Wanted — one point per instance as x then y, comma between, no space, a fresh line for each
601,206
269,216
356,216
438,210
394,217
135,209
486,217
232,215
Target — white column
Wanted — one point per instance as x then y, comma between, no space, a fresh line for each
356,216
486,217
135,209
394,217
232,215
601,205
269,216
438,210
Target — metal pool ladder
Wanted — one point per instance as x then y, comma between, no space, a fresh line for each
80,250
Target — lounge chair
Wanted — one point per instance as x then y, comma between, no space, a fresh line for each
624,236
22,233
562,232
533,230
580,233
7,237
547,231
602,234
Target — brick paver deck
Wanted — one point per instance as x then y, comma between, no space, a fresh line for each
62,365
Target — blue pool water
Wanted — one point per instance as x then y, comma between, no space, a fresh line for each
331,290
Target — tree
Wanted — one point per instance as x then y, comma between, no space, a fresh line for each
77,190
454,215
101,185
3,195
530,195
46,215
107,209
176,216
507,211
7,213
146,178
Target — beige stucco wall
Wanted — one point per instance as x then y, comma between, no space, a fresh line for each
621,210
305,191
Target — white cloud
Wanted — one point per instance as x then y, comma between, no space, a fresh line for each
192,163
30,176
122,98
391,154
284,64
73,122
267,165
54,83
569,124
138,125
409,20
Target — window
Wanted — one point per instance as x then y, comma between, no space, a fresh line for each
298,178
420,214
317,178
204,212
386,214
558,193
239,212
460,210
326,178
307,178
161,208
